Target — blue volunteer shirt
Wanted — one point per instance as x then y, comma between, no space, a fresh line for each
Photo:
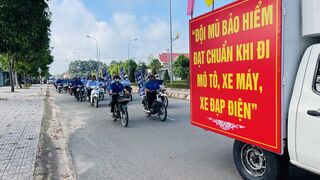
126,82
59,81
152,85
76,83
91,83
116,87
159,81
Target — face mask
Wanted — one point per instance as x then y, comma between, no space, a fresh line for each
117,80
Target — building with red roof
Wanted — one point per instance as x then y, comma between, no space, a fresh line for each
165,58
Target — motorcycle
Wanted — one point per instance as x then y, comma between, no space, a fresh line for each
121,111
70,89
164,97
101,93
85,93
80,93
158,107
59,88
65,88
95,96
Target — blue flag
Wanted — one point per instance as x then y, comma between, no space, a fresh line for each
104,72
139,78
107,78
121,73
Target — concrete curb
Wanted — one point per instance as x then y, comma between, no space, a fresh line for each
173,93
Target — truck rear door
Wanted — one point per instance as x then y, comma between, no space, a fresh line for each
308,114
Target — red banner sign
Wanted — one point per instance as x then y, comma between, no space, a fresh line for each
236,72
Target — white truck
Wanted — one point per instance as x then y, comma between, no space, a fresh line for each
299,88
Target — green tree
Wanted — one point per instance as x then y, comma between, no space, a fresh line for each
166,76
132,69
114,68
154,71
181,67
30,66
155,64
4,61
113,62
82,68
188,78
24,36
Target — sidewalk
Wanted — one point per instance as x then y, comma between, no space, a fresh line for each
20,123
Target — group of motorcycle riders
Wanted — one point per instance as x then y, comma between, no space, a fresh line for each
152,85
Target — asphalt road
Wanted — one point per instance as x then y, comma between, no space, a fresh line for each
148,148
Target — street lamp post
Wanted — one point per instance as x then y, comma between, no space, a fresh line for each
135,39
171,40
97,55
171,66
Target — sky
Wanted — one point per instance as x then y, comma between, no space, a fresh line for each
114,23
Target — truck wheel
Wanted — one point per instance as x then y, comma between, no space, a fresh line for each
254,163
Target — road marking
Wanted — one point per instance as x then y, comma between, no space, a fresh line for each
171,119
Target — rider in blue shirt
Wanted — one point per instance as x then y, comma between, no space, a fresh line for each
76,82
91,83
59,81
126,83
115,88
151,87
158,80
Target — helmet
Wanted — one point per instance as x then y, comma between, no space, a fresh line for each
157,75
116,76
150,75
126,76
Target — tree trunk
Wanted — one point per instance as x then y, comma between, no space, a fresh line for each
16,79
19,80
10,74
24,80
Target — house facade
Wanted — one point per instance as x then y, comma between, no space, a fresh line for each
164,59
4,78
